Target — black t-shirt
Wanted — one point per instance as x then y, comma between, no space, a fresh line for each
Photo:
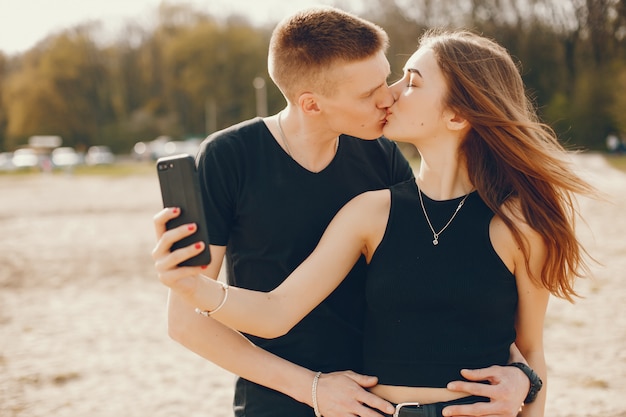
270,212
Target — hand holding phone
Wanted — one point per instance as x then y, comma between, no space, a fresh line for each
180,187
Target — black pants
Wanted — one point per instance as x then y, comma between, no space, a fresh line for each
252,400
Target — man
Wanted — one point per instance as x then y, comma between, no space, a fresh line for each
270,188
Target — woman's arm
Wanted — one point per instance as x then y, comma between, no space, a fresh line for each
355,231
531,311
508,385
338,394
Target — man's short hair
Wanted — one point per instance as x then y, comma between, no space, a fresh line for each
306,45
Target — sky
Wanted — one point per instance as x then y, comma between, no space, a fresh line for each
23,23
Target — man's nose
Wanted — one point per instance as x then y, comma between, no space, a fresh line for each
388,98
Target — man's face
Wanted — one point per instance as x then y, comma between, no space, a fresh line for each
358,104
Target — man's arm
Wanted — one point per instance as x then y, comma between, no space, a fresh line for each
339,394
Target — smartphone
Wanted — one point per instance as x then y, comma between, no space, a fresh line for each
180,187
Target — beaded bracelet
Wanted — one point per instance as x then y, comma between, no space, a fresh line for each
207,313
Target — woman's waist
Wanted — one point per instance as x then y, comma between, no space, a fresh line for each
422,395
428,371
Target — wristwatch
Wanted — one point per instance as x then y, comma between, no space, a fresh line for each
535,382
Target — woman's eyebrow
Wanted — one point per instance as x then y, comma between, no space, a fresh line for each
414,71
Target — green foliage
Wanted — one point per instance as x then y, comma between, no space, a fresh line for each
58,91
193,73
619,100
213,62
3,117
584,119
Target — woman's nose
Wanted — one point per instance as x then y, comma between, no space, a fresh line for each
395,90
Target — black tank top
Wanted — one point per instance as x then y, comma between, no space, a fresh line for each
434,310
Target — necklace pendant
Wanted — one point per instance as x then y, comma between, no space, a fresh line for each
432,229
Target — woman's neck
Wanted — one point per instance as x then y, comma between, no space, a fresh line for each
444,177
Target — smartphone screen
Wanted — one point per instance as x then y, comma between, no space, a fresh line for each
180,187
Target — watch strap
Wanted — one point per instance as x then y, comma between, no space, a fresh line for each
535,381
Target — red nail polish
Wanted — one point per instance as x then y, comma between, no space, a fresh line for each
204,266
198,245
191,227
175,210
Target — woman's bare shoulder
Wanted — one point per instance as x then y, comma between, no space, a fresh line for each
512,208
371,202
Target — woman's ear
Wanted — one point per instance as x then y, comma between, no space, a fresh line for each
308,103
455,121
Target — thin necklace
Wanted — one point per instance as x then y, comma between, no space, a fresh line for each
282,135
436,234
284,138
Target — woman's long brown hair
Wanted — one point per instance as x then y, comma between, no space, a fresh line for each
510,154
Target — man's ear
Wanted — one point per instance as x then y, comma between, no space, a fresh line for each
308,103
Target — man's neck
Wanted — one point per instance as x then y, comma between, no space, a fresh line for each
309,144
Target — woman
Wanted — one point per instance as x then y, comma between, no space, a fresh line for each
461,261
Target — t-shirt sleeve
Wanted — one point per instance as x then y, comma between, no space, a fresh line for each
218,173
400,168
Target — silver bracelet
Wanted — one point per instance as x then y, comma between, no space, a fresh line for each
207,313
316,410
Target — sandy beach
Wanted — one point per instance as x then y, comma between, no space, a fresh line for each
83,321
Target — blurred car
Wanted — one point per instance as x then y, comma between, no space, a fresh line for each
189,146
99,155
164,146
141,152
152,150
25,158
65,157
6,161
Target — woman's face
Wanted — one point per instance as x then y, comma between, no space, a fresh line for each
418,112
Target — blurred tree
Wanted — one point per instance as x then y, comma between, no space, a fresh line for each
60,89
403,31
211,61
191,72
554,40
126,94
617,111
600,21
189,61
583,107
3,117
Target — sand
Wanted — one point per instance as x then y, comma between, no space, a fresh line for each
83,323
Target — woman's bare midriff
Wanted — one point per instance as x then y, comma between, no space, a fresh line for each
421,395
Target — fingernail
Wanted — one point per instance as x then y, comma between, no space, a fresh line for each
198,245
191,227
206,266
175,210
